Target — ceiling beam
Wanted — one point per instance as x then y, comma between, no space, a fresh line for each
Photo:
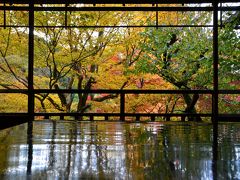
115,1
120,8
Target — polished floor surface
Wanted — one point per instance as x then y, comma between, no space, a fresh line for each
116,150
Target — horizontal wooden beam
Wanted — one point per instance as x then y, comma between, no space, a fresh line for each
120,91
117,8
114,1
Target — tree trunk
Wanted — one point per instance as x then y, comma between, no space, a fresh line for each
69,97
82,97
191,102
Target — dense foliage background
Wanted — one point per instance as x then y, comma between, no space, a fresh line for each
119,58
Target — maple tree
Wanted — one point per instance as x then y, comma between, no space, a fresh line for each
116,58
13,63
183,57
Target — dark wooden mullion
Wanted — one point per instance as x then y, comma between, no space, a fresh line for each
31,61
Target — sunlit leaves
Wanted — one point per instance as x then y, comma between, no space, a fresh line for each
178,54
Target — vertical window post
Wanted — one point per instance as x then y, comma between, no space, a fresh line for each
215,91
122,106
215,62
30,60
156,16
4,16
